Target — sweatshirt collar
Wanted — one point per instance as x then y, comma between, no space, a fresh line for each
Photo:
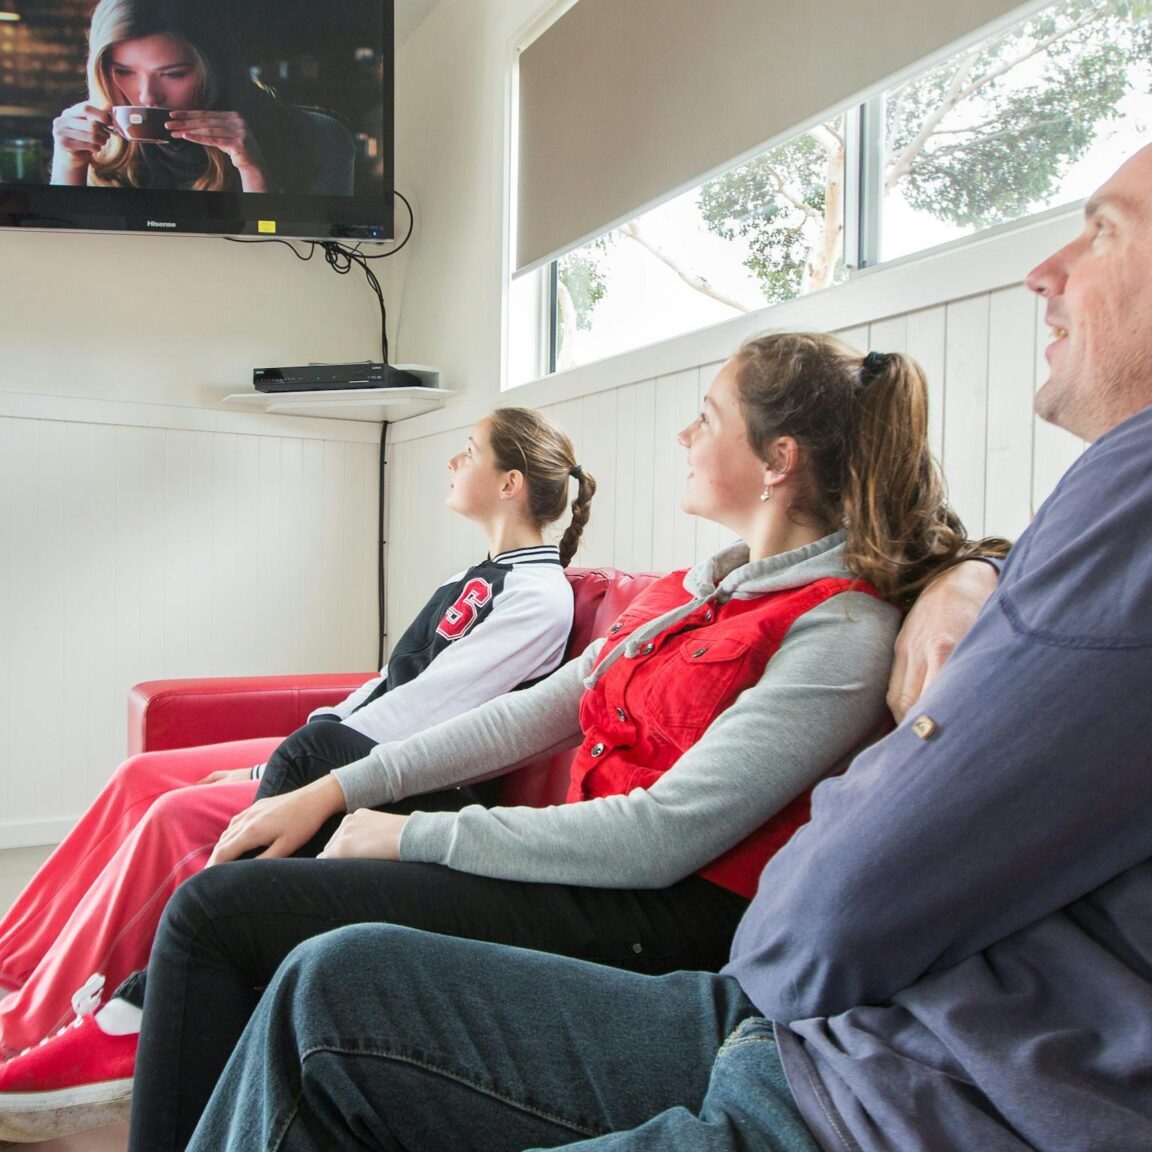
730,573
737,577
533,554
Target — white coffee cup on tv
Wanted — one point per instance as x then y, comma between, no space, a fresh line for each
141,123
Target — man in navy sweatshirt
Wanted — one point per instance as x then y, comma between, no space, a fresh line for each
955,954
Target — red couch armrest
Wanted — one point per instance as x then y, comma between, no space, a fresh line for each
212,710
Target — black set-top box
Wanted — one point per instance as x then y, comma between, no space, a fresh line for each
318,377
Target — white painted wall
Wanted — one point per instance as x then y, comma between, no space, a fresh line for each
146,531
167,319
136,544
452,82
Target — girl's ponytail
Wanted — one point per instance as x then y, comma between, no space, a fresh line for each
529,442
862,427
581,510
901,531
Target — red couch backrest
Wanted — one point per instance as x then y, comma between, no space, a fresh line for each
181,713
601,594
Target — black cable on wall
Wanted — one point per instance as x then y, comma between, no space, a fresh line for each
381,583
342,258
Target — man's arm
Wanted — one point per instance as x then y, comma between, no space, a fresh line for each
1003,798
938,621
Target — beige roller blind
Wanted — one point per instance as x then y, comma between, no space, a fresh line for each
622,101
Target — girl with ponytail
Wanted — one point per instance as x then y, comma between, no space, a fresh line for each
856,431
524,439
88,917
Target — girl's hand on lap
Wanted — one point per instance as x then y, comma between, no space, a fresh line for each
280,824
366,835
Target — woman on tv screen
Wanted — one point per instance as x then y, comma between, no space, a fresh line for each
172,105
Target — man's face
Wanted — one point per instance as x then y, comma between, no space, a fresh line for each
1099,294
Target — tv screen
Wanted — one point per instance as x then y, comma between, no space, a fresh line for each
229,117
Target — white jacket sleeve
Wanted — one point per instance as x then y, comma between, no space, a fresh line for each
476,745
353,700
523,638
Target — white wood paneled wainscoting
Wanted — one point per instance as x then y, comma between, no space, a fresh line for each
964,313
143,541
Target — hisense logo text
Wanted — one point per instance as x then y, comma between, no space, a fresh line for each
161,223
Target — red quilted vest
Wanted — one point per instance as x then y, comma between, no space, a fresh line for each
646,710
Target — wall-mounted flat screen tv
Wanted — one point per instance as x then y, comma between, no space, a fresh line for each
228,117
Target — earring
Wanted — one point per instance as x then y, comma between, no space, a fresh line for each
766,495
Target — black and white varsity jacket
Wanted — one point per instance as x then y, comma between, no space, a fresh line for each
499,624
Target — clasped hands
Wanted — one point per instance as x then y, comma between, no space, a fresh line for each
282,824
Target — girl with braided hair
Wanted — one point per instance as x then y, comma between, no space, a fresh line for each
86,920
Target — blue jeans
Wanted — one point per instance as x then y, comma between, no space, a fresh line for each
383,1037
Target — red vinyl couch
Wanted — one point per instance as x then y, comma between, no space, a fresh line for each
212,710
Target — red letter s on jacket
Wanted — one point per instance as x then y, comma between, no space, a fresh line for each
462,615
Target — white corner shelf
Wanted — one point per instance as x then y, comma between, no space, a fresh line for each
389,404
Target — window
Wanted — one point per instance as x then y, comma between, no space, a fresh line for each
1022,122
1011,126
765,231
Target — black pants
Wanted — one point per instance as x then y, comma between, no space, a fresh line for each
311,753
227,929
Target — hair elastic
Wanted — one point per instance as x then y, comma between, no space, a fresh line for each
576,472
872,365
